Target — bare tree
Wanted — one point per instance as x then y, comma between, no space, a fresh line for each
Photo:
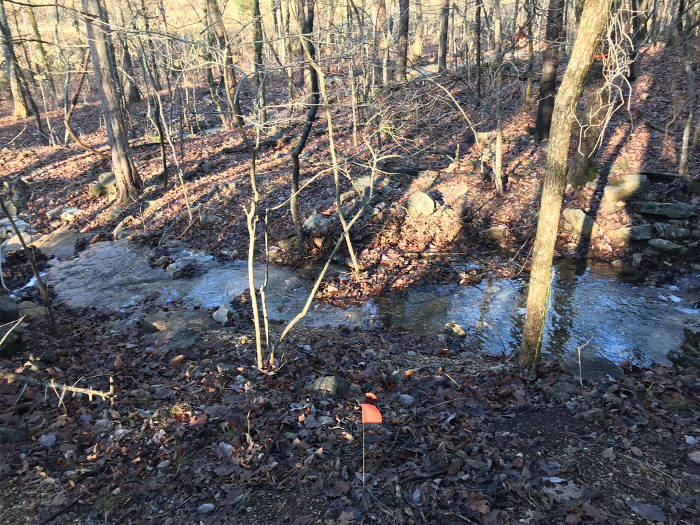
548,81
593,20
129,183
444,23
403,39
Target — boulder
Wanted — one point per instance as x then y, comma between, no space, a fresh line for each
672,210
209,219
107,185
318,223
671,232
60,243
667,246
13,243
641,232
71,214
121,230
223,315
622,189
496,233
420,203
9,310
689,352
6,230
582,223
31,310
333,385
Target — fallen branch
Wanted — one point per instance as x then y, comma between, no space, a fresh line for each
10,376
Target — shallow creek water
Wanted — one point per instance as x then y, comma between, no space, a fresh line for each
619,320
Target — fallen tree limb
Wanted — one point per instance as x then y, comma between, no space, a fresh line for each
10,376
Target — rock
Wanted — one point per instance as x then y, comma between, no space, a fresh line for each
222,315
6,229
453,328
695,457
331,384
561,391
209,219
107,185
48,440
671,232
582,223
318,223
60,243
594,367
181,340
31,310
672,210
164,464
10,435
636,259
13,244
608,453
206,508
624,188
13,341
496,233
71,214
621,236
9,310
113,214
691,331
667,246
183,267
120,231
594,414
225,368
225,450
406,400
420,203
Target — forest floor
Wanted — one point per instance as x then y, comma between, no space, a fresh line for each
466,438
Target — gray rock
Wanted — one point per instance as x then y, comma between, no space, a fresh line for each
71,214
496,233
667,246
206,508
318,223
672,210
594,367
420,203
581,223
621,236
183,266
13,243
624,188
331,384
60,243
691,331
121,230
48,440
31,310
453,328
222,315
181,340
6,230
10,435
594,414
9,309
209,219
562,391
224,368
671,232
107,185
406,400
695,457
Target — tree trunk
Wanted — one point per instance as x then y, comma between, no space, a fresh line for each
230,82
417,49
593,19
403,39
444,23
23,102
555,18
693,97
530,8
132,90
258,60
43,61
498,165
589,130
128,181
380,38
310,119
477,30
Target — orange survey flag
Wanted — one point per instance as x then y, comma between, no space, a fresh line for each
370,414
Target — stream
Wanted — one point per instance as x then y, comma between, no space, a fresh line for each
617,320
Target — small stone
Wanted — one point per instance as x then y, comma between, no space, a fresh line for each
607,453
672,210
225,450
48,440
420,203
332,385
595,414
222,314
582,223
691,440
406,400
453,328
637,451
209,219
206,508
496,233
667,246
695,457
177,360
70,214
164,464
223,368
671,232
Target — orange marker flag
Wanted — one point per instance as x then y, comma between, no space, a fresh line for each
370,414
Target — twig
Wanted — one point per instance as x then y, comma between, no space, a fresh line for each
10,376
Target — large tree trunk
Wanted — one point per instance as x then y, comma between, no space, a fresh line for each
132,89
477,30
593,19
43,61
590,128
444,23
258,59
403,39
417,48
128,181
548,82
23,102
498,165
380,39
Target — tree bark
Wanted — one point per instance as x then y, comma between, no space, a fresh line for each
258,60
43,61
417,48
403,39
555,20
444,23
590,129
23,102
132,90
477,30
592,23
129,183
380,39
498,165
230,82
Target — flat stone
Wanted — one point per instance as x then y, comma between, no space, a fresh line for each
332,385
582,223
31,310
13,244
318,223
671,232
496,233
420,204
221,315
10,435
107,185
9,310
672,210
71,214
641,232
209,219
624,188
406,400
60,243
6,229
667,246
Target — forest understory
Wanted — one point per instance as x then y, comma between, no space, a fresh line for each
201,435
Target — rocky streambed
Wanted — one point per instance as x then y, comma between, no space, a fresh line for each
594,310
